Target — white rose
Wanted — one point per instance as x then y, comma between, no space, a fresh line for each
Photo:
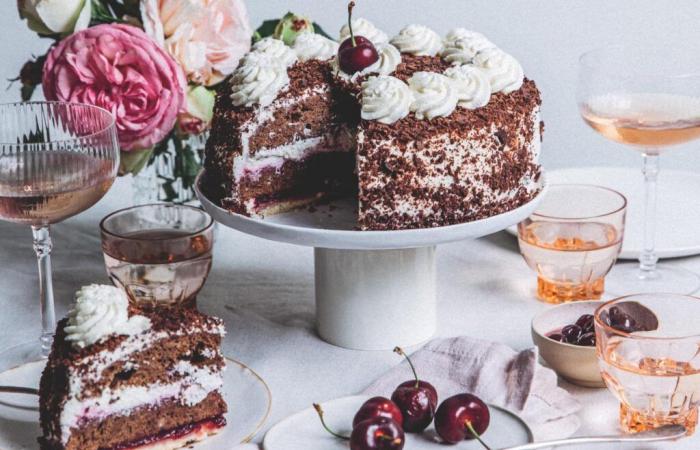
56,16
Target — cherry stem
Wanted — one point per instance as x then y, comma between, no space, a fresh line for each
471,429
351,5
400,351
319,411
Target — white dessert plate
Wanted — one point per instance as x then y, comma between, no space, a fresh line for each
246,393
303,431
335,226
677,214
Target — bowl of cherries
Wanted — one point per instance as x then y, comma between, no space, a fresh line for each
382,423
565,337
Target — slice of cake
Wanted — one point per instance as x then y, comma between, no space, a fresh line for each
433,131
118,378
278,140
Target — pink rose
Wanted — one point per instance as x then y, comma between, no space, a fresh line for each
206,37
119,68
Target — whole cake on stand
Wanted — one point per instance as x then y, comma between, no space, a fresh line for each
434,139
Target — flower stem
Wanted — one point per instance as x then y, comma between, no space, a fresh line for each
400,351
471,429
319,411
351,5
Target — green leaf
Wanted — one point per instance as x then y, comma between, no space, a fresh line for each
265,30
133,161
27,91
321,31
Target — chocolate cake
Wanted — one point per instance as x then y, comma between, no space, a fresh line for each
437,131
118,378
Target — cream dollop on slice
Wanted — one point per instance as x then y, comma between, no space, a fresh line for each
314,46
418,40
385,99
365,28
461,45
434,95
258,80
101,311
503,71
472,86
276,49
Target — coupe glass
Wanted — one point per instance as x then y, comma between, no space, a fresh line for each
56,160
649,99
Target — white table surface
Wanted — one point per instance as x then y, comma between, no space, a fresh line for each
264,291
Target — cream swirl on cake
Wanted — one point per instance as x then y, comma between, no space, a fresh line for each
276,49
365,28
99,312
418,40
434,95
258,80
503,71
472,86
385,99
461,45
314,46
389,59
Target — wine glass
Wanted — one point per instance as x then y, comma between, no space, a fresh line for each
56,160
647,97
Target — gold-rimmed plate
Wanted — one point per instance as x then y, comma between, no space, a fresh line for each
248,396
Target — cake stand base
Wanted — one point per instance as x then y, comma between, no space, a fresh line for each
375,299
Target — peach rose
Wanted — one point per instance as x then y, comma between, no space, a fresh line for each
119,68
206,37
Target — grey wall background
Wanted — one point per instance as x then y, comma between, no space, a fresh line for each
545,35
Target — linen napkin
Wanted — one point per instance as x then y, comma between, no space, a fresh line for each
498,375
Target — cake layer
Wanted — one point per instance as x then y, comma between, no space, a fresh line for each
179,437
297,182
471,165
128,431
260,154
177,360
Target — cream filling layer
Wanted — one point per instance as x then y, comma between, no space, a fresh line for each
193,387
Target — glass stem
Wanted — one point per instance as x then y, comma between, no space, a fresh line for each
648,258
42,248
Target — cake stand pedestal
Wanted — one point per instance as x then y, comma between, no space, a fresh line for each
374,289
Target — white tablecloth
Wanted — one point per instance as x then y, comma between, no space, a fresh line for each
264,291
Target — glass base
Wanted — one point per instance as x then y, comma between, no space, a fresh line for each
632,421
625,279
550,292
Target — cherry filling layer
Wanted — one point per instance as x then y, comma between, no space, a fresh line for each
203,426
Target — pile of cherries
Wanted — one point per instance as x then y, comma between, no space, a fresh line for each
380,423
582,332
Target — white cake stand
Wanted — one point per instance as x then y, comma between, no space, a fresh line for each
374,289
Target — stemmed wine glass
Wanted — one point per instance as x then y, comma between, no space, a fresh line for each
56,160
647,97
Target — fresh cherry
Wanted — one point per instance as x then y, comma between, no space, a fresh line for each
416,399
460,417
378,407
356,52
377,433
622,321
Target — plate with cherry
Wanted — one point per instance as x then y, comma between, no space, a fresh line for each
413,417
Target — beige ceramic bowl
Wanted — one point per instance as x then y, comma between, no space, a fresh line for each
576,364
